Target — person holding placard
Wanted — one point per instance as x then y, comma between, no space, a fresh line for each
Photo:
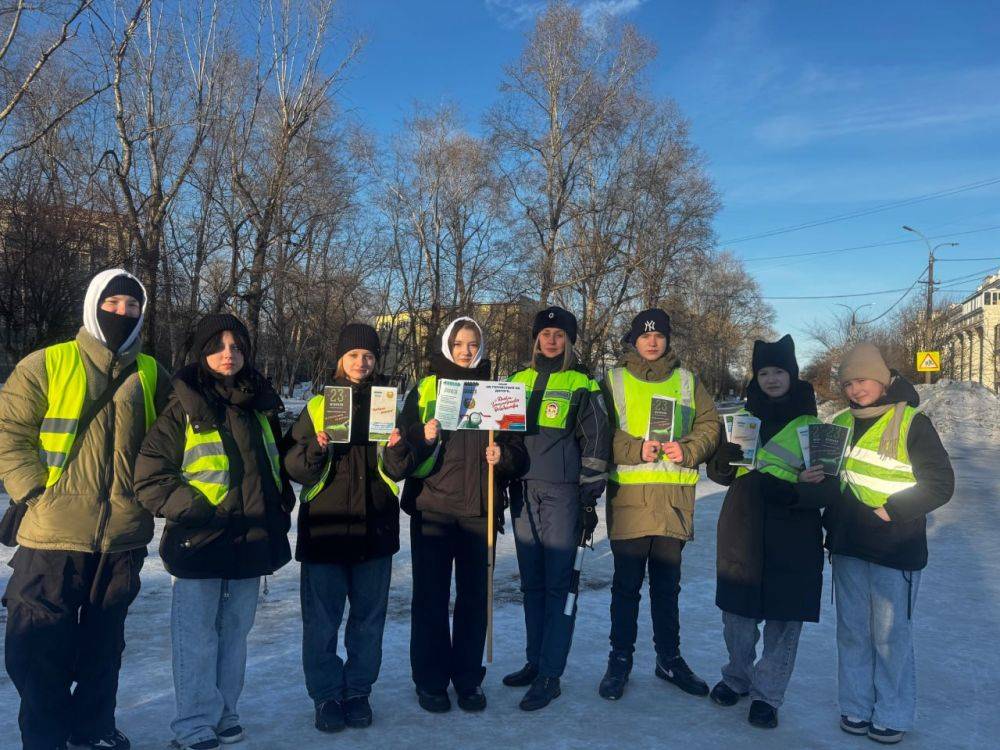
210,466
770,537
348,531
896,471
651,491
446,497
553,509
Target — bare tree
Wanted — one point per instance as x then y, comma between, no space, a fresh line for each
564,90
165,94
288,96
35,34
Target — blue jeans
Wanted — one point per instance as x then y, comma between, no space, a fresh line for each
768,678
209,622
546,537
324,590
876,670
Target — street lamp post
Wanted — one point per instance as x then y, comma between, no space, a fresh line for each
929,314
851,336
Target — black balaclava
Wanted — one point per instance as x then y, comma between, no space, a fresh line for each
117,328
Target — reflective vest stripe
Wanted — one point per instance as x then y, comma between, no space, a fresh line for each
50,424
876,458
632,398
884,486
66,395
789,457
315,409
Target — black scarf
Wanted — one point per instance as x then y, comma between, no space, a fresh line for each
445,368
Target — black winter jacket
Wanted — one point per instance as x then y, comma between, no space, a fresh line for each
852,527
246,535
457,485
355,517
769,550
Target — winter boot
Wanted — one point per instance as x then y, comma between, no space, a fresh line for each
113,741
543,691
212,744
725,695
435,701
612,685
357,712
885,735
472,700
679,673
854,726
231,736
763,715
330,717
522,677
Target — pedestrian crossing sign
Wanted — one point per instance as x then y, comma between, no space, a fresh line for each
928,361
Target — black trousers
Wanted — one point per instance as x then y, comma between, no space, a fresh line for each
65,624
440,654
662,555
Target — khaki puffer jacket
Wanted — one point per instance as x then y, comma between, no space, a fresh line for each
91,508
639,510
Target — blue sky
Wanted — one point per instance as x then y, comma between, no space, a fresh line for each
804,111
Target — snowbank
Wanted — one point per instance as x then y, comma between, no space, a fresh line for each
960,407
957,408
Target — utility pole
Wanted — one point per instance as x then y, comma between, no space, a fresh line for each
929,314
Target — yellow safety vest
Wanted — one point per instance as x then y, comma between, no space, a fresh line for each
781,456
315,408
66,395
205,465
553,411
871,476
426,406
632,402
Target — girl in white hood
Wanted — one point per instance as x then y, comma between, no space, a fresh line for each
446,500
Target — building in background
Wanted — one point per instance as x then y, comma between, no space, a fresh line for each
970,336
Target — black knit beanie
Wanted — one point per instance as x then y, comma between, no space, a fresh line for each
358,336
123,285
555,317
780,353
653,320
212,325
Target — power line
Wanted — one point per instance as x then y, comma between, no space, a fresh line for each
838,296
886,243
891,307
866,212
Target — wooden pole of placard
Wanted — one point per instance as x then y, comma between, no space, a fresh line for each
489,558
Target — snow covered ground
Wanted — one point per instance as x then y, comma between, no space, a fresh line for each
957,618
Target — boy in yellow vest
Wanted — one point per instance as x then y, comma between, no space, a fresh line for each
72,418
651,489
895,472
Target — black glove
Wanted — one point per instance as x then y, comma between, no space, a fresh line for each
731,453
588,509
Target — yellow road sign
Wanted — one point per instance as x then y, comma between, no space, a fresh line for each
928,361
